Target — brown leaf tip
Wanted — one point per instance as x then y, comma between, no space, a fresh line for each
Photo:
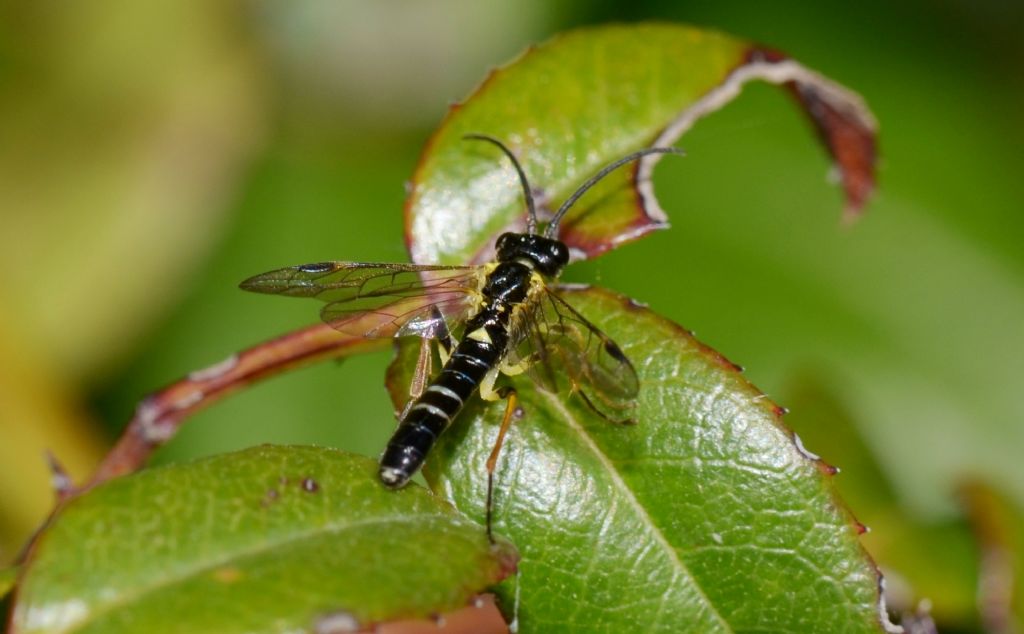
842,120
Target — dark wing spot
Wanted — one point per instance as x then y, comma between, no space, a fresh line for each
613,349
318,267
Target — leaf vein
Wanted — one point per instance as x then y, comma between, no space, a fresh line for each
634,503
195,571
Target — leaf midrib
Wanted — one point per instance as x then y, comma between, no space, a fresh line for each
633,502
188,573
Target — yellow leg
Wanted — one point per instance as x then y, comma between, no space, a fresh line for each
487,391
492,461
512,369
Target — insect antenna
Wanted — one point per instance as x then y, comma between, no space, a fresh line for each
531,219
552,228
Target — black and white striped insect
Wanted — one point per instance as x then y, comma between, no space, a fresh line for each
507,317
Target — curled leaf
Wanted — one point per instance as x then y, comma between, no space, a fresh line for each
586,98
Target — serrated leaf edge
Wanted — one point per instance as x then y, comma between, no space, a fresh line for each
629,304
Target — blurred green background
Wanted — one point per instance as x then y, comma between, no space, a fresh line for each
154,154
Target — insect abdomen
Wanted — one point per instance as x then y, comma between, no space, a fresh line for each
434,410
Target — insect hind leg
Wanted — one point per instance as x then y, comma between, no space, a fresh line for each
511,405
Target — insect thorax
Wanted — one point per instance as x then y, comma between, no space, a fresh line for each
544,255
509,291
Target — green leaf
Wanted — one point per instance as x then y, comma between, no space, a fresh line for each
270,539
586,98
705,516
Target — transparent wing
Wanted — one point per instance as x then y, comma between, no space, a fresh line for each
565,351
380,300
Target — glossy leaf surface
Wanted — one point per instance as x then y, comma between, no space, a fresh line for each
271,539
587,98
705,516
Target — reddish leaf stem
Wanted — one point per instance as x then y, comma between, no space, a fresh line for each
160,415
